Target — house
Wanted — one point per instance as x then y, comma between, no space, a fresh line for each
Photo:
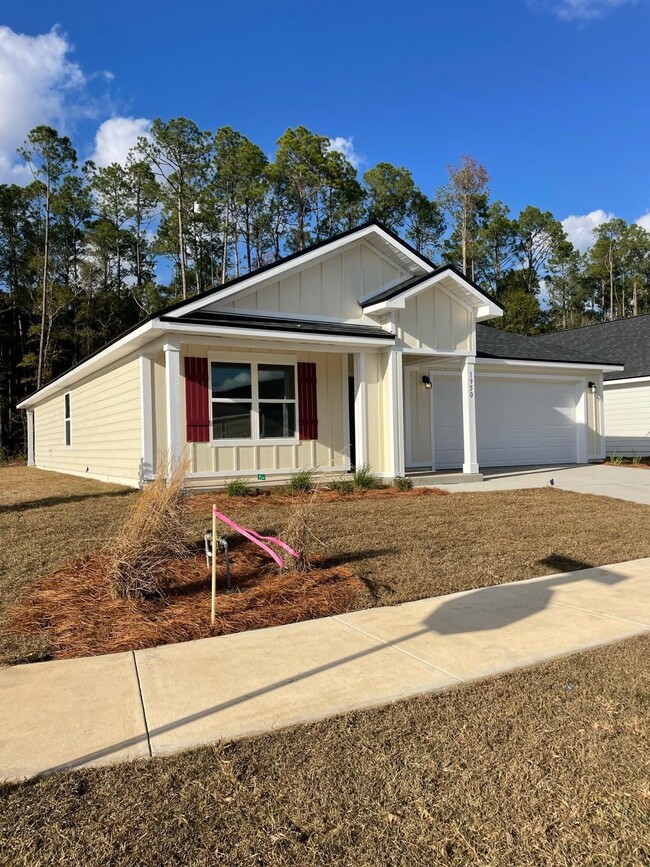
626,392
357,350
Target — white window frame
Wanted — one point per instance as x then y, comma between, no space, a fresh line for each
67,419
254,361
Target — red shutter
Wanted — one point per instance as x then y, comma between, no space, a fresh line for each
307,404
197,400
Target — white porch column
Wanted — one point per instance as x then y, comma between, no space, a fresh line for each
395,374
146,419
172,351
360,409
31,461
470,454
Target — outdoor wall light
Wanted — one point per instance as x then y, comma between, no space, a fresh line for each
592,387
427,381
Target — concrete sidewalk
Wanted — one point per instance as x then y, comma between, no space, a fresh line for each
605,480
107,709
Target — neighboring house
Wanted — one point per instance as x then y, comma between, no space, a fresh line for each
627,392
355,351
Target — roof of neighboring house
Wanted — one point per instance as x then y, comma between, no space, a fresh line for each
280,323
627,340
496,343
404,286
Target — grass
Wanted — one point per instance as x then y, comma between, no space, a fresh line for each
401,546
546,767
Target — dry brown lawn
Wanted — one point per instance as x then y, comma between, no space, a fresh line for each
401,547
547,767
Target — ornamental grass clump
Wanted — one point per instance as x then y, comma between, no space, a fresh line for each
153,533
298,533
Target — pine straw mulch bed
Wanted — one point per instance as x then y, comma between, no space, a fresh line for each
282,497
77,613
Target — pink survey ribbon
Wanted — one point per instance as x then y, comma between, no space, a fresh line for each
256,538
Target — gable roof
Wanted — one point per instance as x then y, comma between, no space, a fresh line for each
496,343
413,282
627,340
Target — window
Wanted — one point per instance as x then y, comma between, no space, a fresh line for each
67,418
253,400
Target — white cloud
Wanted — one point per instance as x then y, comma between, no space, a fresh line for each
580,10
580,227
38,83
115,138
644,221
345,146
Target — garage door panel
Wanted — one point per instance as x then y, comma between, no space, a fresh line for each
519,421
525,421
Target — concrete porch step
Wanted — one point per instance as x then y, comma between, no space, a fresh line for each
420,479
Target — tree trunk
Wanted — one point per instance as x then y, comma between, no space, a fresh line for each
181,245
635,309
46,255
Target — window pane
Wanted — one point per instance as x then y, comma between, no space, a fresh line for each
231,380
277,420
231,421
67,433
277,381
67,405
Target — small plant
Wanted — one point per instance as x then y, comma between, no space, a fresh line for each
403,484
301,481
298,533
239,488
365,479
616,459
636,460
343,486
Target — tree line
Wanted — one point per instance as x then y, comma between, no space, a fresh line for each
83,248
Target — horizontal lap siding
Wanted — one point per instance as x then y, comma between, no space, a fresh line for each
105,427
627,419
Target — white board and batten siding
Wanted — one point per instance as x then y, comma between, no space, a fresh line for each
329,288
105,427
331,452
627,418
433,320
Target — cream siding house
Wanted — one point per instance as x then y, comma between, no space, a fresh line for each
355,351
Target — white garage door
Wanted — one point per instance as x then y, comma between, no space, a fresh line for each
518,421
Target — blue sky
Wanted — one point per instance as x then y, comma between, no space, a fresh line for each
551,95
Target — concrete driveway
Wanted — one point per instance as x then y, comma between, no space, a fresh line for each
623,483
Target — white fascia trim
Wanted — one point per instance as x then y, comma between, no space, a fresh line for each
299,261
485,307
293,336
72,375
630,381
573,365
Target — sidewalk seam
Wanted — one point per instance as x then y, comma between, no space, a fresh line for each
600,613
144,711
399,649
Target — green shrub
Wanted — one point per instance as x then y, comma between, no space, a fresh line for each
301,481
343,486
403,484
365,479
239,488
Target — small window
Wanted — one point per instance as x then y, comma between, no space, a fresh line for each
67,417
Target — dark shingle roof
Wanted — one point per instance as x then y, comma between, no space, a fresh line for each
627,340
496,343
273,323
398,288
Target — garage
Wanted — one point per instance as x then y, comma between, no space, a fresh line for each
519,420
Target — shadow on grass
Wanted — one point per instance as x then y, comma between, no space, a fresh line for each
489,608
63,500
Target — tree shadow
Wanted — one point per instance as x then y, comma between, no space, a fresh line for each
46,502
